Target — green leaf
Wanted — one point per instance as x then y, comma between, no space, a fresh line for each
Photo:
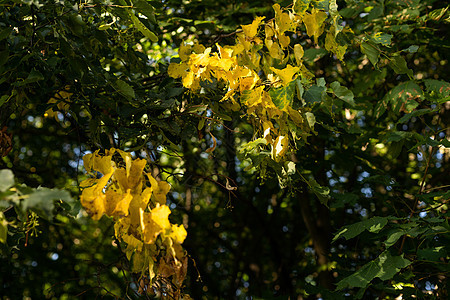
393,238
34,76
146,9
371,51
382,38
3,99
7,180
283,96
374,225
253,145
5,33
42,200
383,267
342,93
404,96
341,200
438,89
432,254
398,64
124,89
315,94
143,29
416,113
322,192
412,49
313,54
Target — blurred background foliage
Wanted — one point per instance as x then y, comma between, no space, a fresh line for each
78,76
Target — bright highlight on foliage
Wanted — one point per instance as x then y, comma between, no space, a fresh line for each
153,244
263,70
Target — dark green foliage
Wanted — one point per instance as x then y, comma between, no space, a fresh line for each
360,211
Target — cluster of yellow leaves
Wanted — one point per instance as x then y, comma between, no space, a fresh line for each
251,68
139,211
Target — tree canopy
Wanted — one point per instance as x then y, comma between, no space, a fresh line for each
224,149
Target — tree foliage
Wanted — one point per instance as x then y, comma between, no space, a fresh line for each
302,147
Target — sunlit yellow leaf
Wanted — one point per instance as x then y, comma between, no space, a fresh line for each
178,234
136,173
132,241
225,52
286,74
150,230
279,147
252,97
160,189
243,41
160,215
117,204
93,198
188,80
251,29
314,23
247,83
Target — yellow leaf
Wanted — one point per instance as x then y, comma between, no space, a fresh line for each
188,80
267,128
121,227
251,29
298,53
138,262
178,234
247,83
225,52
243,41
314,23
284,41
132,241
117,204
332,46
135,174
150,230
295,116
279,148
286,74
93,198
269,29
160,215
274,49
184,51
178,70
253,97
160,189
282,20
198,48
